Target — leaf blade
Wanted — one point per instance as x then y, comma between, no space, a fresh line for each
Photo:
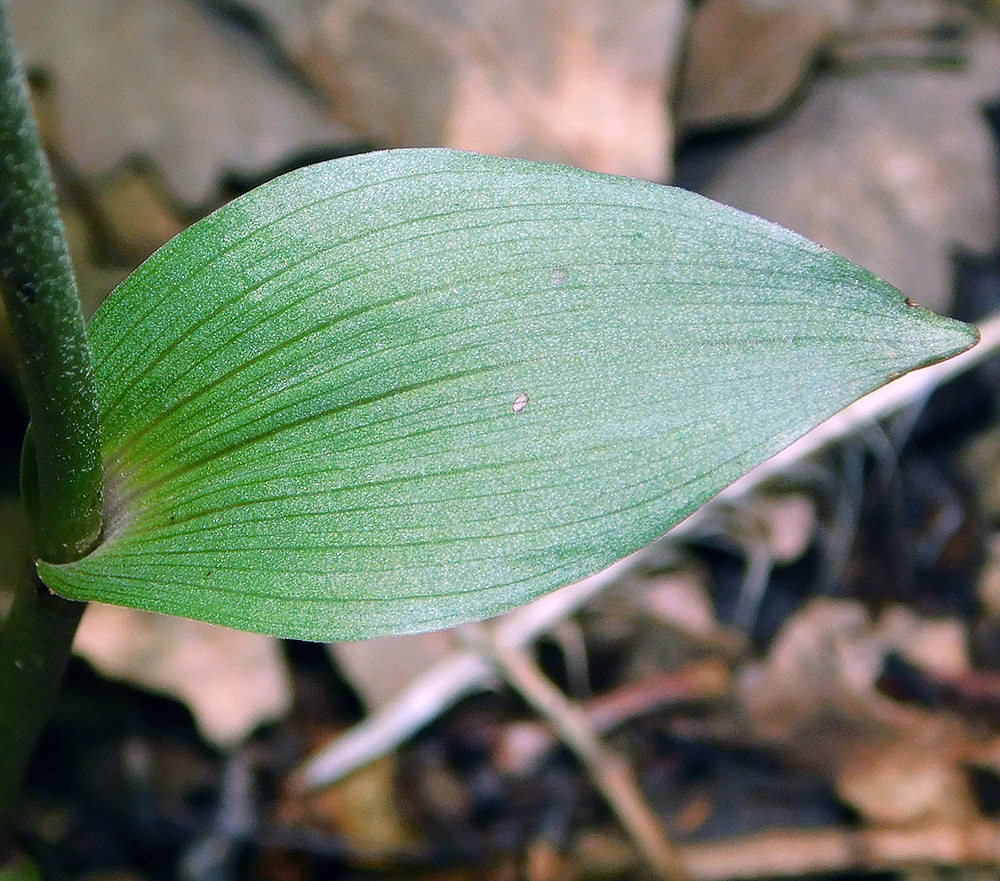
418,387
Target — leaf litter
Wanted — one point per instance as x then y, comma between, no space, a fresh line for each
850,709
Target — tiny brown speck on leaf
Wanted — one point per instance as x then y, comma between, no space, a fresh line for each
520,402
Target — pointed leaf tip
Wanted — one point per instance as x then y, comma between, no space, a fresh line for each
409,389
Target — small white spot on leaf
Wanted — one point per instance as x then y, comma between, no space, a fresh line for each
520,402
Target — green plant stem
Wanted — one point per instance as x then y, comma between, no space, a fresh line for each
39,291
55,363
34,651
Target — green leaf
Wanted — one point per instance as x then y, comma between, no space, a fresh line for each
414,388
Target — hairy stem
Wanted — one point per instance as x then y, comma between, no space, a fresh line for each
55,364
39,291
34,650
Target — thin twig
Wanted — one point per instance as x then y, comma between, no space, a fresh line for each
456,676
444,684
524,745
608,770
807,853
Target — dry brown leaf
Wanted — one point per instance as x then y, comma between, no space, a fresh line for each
815,699
580,82
94,279
911,782
886,33
135,212
821,674
939,646
786,524
363,810
821,668
159,78
892,169
231,681
746,58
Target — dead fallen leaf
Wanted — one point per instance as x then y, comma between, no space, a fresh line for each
95,279
362,810
822,666
913,782
585,82
161,79
939,646
814,699
886,33
746,58
892,169
135,211
231,681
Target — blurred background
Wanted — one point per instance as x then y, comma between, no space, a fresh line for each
806,682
